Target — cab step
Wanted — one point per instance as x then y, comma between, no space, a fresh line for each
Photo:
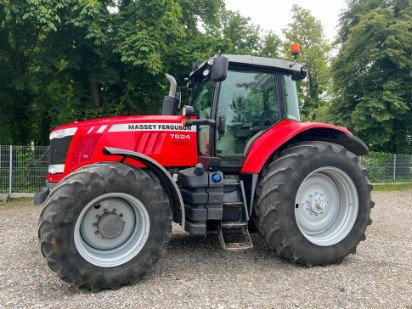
234,236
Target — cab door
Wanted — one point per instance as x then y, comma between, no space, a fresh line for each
248,105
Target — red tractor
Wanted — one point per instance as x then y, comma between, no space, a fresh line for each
237,160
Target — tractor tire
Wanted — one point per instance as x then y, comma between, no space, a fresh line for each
104,226
313,203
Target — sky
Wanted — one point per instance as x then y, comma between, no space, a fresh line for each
275,14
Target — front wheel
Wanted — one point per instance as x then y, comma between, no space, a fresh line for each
105,225
314,203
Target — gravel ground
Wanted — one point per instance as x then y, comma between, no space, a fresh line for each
197,273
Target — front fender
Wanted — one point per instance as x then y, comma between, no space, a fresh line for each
287,131
162,174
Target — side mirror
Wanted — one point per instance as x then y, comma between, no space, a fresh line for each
188,111
219,69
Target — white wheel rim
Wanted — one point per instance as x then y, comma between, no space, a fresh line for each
326,206
99,237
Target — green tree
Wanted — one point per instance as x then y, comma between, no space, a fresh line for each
372,73
308,32
49,56
67,60
239,34
271,45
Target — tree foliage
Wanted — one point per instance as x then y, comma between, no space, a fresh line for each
67,60
372,73
308,32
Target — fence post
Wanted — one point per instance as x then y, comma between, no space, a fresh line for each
394,167
10,169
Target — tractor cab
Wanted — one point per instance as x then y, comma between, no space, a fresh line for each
236,98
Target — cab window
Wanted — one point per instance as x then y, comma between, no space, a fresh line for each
201,100
202,97
292,100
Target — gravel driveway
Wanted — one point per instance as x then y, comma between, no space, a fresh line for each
197,273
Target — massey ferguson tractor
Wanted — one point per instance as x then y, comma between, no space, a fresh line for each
238,159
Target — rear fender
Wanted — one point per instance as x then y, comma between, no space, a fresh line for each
289,132
161,173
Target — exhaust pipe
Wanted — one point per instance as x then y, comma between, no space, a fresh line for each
173,85
170,101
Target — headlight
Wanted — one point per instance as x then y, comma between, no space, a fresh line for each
56,169
63,133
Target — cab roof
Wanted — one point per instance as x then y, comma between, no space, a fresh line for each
263,62
296,69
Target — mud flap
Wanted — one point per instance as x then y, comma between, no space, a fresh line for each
41,195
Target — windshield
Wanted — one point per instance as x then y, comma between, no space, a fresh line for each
202,97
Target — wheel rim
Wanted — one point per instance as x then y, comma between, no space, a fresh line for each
326,206
112,229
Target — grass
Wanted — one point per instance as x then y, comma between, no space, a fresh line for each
23,201
393,187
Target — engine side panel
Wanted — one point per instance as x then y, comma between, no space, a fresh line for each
273,139
162,138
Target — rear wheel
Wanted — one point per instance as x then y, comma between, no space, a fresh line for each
314,203
105,226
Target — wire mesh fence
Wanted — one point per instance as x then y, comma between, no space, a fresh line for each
23,169
387,167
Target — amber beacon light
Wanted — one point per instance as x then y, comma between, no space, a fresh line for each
295,49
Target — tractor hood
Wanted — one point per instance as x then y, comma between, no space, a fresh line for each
163,138
119,120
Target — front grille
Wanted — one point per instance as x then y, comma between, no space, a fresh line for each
58,149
